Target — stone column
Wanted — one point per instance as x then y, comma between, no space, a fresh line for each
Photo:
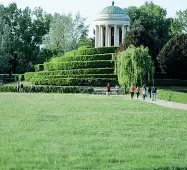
123,32
128,28
96,36
106,35
101,36
115,35
109,36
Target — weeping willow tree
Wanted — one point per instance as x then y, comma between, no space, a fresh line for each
135,66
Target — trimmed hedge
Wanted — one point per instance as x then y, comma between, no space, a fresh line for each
50,89
82,58
48,66
39,67
79,76
74,81
29,75
172,96
91,51
170,82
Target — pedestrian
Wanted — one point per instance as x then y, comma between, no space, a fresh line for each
132,91
108,89
149,91
153,91
116,89
21,86
137,91
32,87
18,87
143,92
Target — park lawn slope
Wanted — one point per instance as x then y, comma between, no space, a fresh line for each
58,131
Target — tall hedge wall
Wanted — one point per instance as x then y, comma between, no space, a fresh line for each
49,66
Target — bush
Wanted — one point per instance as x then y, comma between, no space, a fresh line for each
91,51
48,66
49,89
29,75
83,58
173,57
39,67
172,96
170,82
21,77
74,81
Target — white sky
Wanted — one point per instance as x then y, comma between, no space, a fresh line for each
90,8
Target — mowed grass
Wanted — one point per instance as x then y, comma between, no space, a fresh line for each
58,131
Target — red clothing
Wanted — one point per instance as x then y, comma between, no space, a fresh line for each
132,89
138,90
108,88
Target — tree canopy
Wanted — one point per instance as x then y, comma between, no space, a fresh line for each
173,57
135,66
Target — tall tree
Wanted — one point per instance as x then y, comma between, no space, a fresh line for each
182,20
135,66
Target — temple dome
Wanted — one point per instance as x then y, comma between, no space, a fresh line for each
112,10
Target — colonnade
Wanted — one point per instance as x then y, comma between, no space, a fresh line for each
105,31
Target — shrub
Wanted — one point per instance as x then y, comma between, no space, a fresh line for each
170,82
49,89
173,57
83,58
29,75
21,77
48,66
92,51
39,67
172,96
74,81
74,71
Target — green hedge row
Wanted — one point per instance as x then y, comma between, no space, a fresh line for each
170,82
49,89
91,51
82,58
48,66
74,81
79,76
29,75
172,96
13,78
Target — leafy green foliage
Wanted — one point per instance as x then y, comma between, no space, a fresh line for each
50,66
173,57
170,82
182,20
135,66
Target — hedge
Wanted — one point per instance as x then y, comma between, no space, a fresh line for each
78,76
82,58
91,51
39,67
74,81
50,89
29,75
172,96
170,82
48,66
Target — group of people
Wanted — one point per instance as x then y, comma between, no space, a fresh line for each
20,87
151,91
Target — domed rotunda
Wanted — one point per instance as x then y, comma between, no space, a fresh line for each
111,25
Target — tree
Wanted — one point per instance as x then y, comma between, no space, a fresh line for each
173,57
153,19
135,66
182,20
65,32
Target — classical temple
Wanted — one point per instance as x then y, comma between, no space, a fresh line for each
111,26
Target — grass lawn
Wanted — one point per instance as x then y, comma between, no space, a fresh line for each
58,131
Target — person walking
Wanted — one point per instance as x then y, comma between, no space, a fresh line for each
137,91
153,91
108,89
132,91
143,92
149,91
116,89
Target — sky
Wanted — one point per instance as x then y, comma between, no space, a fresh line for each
90,8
